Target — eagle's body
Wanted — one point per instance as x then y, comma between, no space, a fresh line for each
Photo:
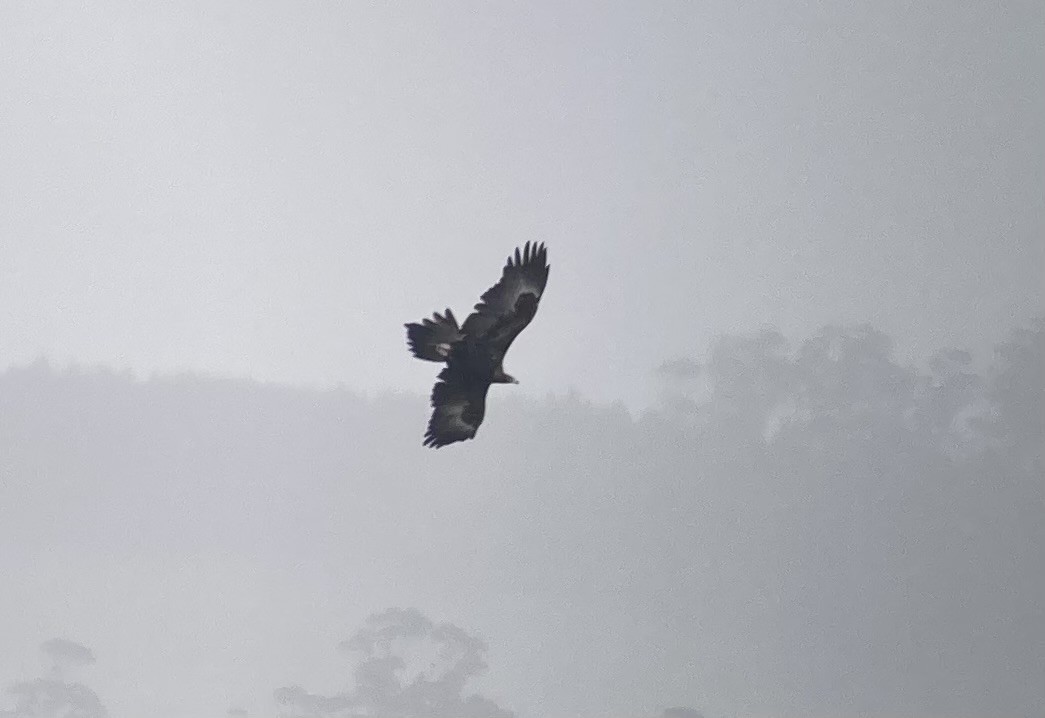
474,352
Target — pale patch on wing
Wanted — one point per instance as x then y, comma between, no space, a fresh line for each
453,417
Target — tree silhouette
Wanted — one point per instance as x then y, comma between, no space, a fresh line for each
408,667
54,695
681,712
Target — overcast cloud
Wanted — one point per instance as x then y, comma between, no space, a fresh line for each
271,189
802,243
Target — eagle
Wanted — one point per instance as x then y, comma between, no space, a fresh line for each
474,351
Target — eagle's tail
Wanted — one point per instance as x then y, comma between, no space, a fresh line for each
432,338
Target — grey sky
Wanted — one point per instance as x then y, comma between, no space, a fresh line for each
272,189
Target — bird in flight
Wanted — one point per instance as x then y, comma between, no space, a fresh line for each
474,352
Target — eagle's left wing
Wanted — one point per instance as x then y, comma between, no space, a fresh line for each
508,306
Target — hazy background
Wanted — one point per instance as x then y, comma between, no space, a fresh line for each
266,192
272,189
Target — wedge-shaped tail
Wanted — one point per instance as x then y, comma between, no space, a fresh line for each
433,338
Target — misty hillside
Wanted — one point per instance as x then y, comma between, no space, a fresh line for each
801,528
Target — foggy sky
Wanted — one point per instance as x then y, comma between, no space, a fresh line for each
205,192
272,189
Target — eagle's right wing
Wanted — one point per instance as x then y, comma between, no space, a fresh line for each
458,400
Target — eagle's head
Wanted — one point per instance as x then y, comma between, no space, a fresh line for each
500,377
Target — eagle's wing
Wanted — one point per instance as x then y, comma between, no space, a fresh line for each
508,306
458,399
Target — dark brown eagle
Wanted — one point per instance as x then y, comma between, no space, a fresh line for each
474,352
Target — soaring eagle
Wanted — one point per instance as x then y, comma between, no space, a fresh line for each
474,352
